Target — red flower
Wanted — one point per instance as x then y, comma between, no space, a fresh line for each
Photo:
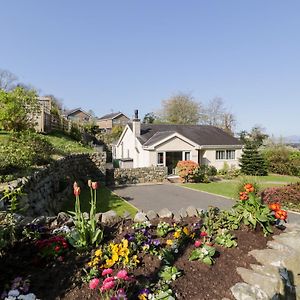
77,191
281,214
203,233
56,248
94,185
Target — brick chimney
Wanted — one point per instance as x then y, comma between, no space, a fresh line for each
136,124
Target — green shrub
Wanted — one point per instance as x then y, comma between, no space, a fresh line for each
22,150
229,172
282,160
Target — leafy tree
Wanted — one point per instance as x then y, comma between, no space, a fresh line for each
17,109
252,161
181,109
149,118
255,136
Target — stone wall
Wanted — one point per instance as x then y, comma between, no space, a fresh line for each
120,176
46,190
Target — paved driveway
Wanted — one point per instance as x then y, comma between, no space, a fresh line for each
174,197
171,196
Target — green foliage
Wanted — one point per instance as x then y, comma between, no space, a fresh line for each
252,162
75,132
229,172
17,109
181,109
163,229
225,239
86,233
282,160
252,213
22,150
169,274
204,253
7,220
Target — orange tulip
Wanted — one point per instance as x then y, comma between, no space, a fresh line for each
281,214
274,206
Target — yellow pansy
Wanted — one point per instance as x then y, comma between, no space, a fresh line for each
169,242
125,243
98,252
177,234
115,257
186,231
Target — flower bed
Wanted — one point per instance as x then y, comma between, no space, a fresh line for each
195,258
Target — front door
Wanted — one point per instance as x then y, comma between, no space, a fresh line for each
172,158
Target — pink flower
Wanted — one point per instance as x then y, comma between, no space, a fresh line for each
94,283
197,244
107,272
122,274
108,279
107,285
203,233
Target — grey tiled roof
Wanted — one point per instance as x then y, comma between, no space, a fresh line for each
199,134
110,116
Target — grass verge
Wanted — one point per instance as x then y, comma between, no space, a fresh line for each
106,200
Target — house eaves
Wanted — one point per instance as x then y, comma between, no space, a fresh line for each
151,146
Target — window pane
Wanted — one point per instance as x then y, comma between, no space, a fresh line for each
187,155
230,154
220,154
160,158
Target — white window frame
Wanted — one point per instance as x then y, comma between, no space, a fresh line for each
225,155
185,153
163,159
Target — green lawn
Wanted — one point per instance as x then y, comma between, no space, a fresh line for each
228,188
106,200
64,144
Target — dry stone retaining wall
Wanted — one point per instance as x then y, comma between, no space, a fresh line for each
121,176
45,190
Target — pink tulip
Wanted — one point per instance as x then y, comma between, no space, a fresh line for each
107,272
122,274
94,283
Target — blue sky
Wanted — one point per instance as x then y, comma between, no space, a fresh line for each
123,55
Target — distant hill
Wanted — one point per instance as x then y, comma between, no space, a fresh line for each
292,139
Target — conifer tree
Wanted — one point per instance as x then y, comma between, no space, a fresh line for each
252,162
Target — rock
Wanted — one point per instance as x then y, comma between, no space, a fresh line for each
140,217
291,239
191,211
126,215
182,212
98,217
266,270
151,214
62,218
244,291
39,220
270,285
110,217
165,213
177,217
269,257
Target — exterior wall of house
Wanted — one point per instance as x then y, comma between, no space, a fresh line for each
105,124
208,157
120,120
79,116
175,144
